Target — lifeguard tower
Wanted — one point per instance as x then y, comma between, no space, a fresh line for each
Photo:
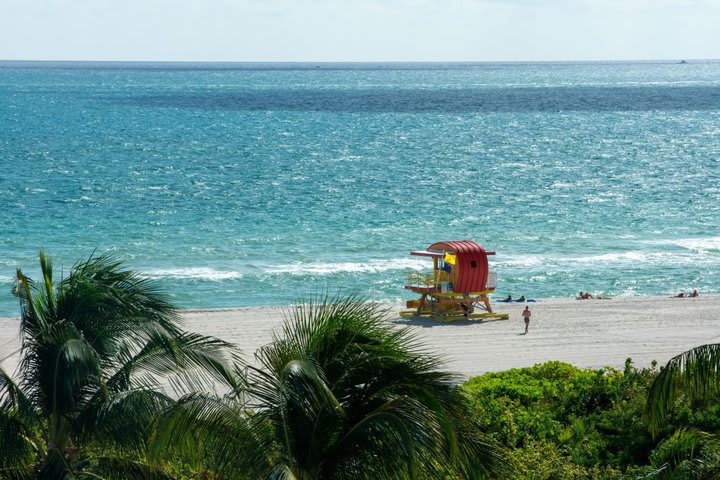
458,285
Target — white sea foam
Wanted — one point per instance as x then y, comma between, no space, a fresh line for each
614,257
631,257
327,268
197,273
701,245
464,220
524,261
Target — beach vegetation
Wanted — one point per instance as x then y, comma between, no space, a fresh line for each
559,421
338,394
693,375
102,354
564,418
688,453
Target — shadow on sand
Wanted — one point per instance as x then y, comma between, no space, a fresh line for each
429,322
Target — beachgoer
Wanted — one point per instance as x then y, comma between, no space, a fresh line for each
521,299
508,299
526,315
695,293
680,295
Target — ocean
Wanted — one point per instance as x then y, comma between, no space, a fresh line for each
266,184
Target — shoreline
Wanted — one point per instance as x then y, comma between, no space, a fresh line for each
401,305
586,333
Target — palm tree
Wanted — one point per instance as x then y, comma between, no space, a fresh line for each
340,394
687,454
696,372
102,353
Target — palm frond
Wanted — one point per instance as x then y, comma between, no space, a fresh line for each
351,396
106,301
687,453
309,411
696,372
19,428
99,348
13,397
122,419
207,431
281,472
387,437
58,367
17,448
187,361
46,271
23,288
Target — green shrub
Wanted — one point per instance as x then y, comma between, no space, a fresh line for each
560,421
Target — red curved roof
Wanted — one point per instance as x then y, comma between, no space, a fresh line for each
471,264
457,246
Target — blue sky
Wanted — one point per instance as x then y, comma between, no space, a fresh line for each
355,30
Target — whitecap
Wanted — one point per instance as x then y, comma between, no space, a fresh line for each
524,261
602,258
328,268
700,245
196,273
464,221
615,257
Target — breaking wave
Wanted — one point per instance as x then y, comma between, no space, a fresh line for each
198,273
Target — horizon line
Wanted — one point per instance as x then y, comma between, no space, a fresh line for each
359,62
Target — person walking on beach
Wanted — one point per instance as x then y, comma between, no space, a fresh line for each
526,315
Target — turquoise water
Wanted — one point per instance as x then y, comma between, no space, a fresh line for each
261,184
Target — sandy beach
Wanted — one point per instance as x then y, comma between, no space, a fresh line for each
585,333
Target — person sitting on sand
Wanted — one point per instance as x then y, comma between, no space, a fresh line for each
584,296
695,293
521,299
508,299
